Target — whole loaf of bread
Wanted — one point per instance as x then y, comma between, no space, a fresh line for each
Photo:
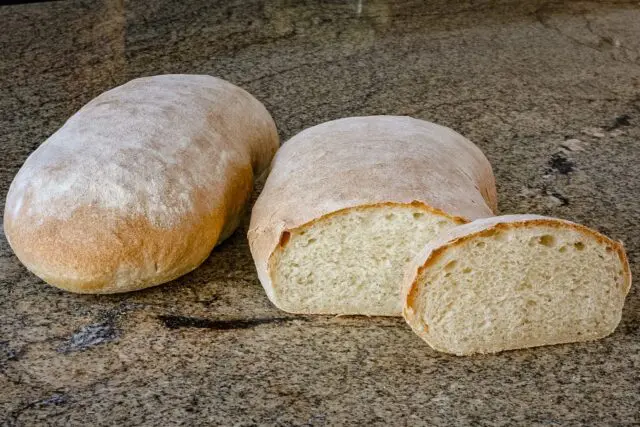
139,185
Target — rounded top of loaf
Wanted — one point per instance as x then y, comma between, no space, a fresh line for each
134,149
359,161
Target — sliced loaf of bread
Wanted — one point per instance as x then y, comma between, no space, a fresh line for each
349,203
515,281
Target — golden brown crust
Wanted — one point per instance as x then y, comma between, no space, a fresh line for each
436,250
122,255
186,176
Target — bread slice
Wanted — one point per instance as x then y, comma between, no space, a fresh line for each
348,204
515,281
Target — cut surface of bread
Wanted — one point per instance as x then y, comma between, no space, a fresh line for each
352,260
516,281
349,202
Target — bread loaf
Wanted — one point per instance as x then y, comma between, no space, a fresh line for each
139,185
349,202
515,281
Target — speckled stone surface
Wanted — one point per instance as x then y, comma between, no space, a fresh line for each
549,90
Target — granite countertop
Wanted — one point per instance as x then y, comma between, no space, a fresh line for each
549,90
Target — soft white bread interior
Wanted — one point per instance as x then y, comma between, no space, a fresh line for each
349,262
139,185
349,203
515,281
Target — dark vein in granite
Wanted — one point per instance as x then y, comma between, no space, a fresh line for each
620,121
177,322
357,322
564,201
560,164
540,16
8,352
90,336
56,399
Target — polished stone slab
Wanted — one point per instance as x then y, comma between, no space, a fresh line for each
549,90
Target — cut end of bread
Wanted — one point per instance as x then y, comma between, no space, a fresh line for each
517,284
351,261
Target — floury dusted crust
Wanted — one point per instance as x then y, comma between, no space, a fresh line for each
139,185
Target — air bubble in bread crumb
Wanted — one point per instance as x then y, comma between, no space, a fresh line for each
547,240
